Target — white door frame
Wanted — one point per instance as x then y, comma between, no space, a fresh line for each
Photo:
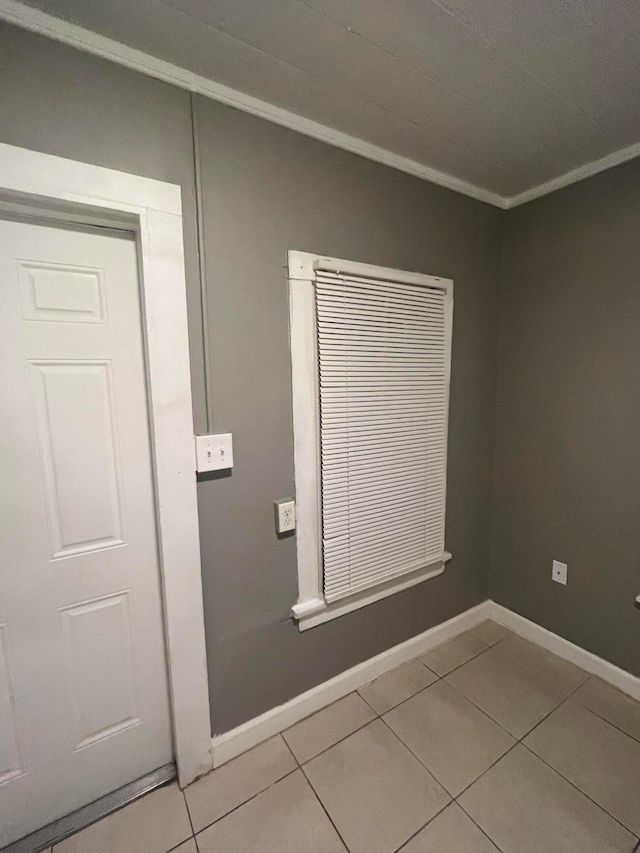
80,192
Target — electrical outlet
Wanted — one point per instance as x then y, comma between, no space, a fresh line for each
285,515
559,572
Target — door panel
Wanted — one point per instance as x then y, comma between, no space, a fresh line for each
11,761
77,442
61,293
98,640
83,684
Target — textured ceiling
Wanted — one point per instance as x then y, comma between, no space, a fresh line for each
503,94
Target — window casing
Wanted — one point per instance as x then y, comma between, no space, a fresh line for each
371,353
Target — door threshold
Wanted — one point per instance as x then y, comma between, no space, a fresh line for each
74,822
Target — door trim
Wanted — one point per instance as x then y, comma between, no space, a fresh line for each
80,192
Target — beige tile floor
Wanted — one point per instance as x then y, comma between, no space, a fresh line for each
487,744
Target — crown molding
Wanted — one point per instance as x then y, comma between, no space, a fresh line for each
575,175
90,42
17,13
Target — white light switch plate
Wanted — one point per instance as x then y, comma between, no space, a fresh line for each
214,452
559,572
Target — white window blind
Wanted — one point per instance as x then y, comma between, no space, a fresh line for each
383,365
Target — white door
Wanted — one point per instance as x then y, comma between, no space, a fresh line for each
84,705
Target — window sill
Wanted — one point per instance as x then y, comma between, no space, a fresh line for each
315,611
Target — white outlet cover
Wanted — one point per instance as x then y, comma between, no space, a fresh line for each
285,515
559,572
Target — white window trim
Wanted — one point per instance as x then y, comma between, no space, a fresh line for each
311,608
79,192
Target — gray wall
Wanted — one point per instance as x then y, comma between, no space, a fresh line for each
567,477
266,190
64,102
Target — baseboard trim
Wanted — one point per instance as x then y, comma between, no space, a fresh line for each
230,744
226,746
624,681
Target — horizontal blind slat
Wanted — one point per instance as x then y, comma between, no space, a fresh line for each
357,504
382,365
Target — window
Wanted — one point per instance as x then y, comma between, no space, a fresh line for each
371,352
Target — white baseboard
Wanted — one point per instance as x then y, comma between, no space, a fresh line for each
624,681
230,744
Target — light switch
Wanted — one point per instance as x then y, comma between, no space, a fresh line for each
214,452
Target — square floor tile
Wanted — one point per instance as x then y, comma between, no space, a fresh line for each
286,818
451,737
312,736
490,632
514,697
452,831
155,823
547,666
375,791
454,653
235,782
526,807
599,759
389,690
617,708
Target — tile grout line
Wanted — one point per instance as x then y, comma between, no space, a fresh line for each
454,799
493,764
322,806
520,741
402,701
579,790
379,716
368,723
420,762
421,662
427,667
528,671
284,740
186,805
473,657
553,710
298,766
517,741
604,719
244,802
475,823
257,794
364,700
424,826
173,849
478,708
422,689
